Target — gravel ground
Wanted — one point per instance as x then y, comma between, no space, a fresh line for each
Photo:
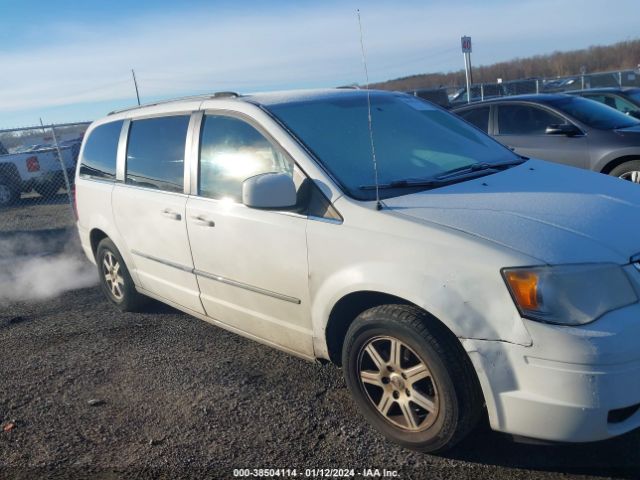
88,392
32,212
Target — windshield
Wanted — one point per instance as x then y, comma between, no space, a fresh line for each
413,139
634,95
593,114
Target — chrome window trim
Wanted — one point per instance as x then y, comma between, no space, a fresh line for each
121,155
195,130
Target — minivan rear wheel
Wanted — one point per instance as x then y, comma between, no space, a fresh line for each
411,378
629,171
115,280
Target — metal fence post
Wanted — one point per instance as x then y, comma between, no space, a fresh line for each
64,170
537,86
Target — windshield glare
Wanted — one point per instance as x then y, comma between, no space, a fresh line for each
593,114
413,139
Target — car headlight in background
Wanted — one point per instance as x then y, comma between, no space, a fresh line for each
569,294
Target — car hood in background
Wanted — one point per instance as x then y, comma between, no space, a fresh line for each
554,213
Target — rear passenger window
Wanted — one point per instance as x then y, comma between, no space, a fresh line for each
155,153
100,152
525,120
478,117
231,151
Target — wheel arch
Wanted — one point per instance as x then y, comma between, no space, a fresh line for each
347,309
611,164
95,237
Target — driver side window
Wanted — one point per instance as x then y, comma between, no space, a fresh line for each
231,151
525,120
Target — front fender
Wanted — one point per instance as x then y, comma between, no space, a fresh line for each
471,306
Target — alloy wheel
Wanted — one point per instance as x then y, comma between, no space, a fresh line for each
112,276
632,176
398,383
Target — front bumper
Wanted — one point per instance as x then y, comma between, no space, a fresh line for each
573,384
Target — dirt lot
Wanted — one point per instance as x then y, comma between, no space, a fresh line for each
88,392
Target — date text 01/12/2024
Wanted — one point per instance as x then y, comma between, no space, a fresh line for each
315,472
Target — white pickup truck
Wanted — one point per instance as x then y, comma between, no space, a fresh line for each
38,169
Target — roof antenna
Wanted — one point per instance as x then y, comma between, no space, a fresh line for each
373,148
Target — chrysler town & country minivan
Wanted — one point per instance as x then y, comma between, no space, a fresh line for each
448,276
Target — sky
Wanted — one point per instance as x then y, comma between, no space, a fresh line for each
69,60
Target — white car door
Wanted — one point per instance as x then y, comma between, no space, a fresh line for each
150,207
251,264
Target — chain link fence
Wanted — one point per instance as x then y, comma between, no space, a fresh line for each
453,96
37,168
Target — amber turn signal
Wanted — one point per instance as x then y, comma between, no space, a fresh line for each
524,287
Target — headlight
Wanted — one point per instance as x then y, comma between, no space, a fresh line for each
569,294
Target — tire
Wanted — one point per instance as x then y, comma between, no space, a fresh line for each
119,289
443,402
8,194
629,171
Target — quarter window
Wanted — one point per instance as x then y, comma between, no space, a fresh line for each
231,151
525,120
478,117
155,153
100,152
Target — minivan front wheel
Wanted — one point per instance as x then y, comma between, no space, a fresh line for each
411,378
115,280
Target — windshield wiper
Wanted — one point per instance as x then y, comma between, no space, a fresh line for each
479,167
453,176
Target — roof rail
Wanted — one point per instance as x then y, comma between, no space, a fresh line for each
203,96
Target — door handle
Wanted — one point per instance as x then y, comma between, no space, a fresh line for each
202,220
167,212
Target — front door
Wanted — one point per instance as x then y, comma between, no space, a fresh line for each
522,127
251,264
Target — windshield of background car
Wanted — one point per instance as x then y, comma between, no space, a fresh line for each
634,95
413,139
593,114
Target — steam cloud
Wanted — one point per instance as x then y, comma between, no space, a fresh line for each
37,266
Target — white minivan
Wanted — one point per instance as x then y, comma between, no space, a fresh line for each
449,277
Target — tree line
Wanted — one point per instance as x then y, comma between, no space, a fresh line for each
601,58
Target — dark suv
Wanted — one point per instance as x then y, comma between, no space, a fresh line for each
562,128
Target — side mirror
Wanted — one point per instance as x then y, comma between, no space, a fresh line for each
269,190
567,129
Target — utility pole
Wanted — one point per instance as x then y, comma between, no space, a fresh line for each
135,84
466,51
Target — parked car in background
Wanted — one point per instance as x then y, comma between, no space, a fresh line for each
478,93
625,99
559,84
37,169
563,128
434,95
466,280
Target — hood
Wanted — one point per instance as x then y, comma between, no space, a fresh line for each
551,212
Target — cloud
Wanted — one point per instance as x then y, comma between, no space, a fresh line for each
204,49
